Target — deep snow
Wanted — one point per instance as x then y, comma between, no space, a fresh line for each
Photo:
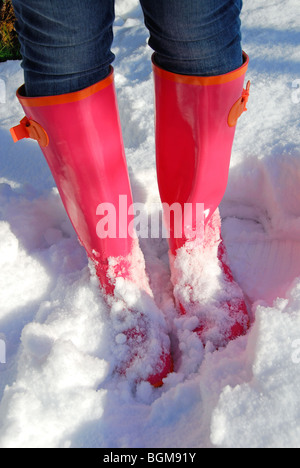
57,387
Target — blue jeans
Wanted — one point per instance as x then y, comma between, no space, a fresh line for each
66,44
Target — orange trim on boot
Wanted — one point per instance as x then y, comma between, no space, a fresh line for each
64,98
239,107
30,129
202,80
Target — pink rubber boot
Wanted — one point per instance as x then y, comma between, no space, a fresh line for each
80,136
195,126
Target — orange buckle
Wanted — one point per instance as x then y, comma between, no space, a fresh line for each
30,129
239,107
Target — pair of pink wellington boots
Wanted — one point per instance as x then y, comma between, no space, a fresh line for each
80,136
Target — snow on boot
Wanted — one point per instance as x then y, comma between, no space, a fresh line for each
80,136
138,324
195,126
204,289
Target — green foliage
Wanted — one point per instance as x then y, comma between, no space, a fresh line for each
9,44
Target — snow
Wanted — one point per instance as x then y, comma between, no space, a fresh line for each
57,388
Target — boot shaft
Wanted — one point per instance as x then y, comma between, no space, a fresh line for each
81,139
195,126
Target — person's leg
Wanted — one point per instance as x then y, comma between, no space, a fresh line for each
195,37
65,44
71,109
199,71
